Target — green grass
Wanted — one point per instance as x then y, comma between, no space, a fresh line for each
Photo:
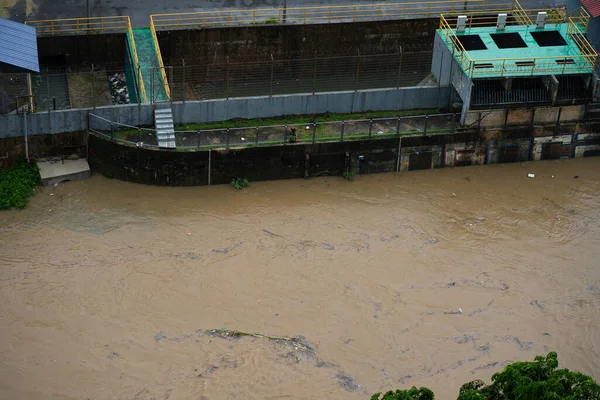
16,184
302,119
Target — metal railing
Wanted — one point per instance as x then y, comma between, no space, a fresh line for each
136,63
524,66
578,36
80,26
458,50
520,15
161,65
252,136
581,17
323,14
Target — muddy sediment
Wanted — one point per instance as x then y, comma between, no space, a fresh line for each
329,289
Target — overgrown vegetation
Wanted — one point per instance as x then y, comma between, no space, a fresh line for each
300,119
240,183
348,175
530,380
16,184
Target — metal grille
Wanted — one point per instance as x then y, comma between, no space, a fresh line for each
308,75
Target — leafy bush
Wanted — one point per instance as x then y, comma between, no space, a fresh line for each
410,394
17,183
349,176
531,380
535,380
240,183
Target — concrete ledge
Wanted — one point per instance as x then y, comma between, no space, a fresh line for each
53,172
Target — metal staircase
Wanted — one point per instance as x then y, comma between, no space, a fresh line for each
163,122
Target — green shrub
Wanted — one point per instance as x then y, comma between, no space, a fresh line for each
410,394
540,379
16,184
240,183
348,175
531,380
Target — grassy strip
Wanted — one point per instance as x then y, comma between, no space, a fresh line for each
17,183
302,119
284,120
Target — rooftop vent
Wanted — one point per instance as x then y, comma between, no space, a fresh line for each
461,23
501,22
540,21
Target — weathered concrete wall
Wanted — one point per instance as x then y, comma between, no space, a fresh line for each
219,110
475,147
13,149
295,41
84,49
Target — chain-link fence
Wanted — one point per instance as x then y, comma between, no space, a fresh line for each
310,132
60,88
305,75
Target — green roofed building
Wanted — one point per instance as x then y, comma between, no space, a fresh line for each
516,58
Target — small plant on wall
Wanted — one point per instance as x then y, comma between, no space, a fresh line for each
348,175
240,183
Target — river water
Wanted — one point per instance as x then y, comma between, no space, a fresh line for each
428,278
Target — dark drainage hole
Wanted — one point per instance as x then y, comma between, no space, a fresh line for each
548,38
524,63
484,65
508,40
565,61
471,42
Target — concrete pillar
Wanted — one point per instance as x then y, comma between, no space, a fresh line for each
551,84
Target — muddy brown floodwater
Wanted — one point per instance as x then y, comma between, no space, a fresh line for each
108,288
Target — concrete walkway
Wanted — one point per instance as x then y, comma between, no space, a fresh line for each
53,172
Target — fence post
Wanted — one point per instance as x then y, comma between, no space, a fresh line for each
558,116
342,133
399,69
271,86
209,165
256,139
94,88
453,122
315,74
227,77
53,103
399,152
426,121
227,139
357,70
183,83
151,85
370,127
112,131
47,89
398,126
314,132
139,135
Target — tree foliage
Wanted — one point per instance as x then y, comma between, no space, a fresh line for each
537,380
17,183
531,380
410,394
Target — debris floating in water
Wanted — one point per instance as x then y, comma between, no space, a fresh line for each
531,175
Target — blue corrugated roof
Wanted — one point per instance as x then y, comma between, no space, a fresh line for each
18,47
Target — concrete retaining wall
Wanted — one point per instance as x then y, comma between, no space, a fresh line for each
219,110
475,147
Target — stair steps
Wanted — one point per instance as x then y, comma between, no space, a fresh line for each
163,123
